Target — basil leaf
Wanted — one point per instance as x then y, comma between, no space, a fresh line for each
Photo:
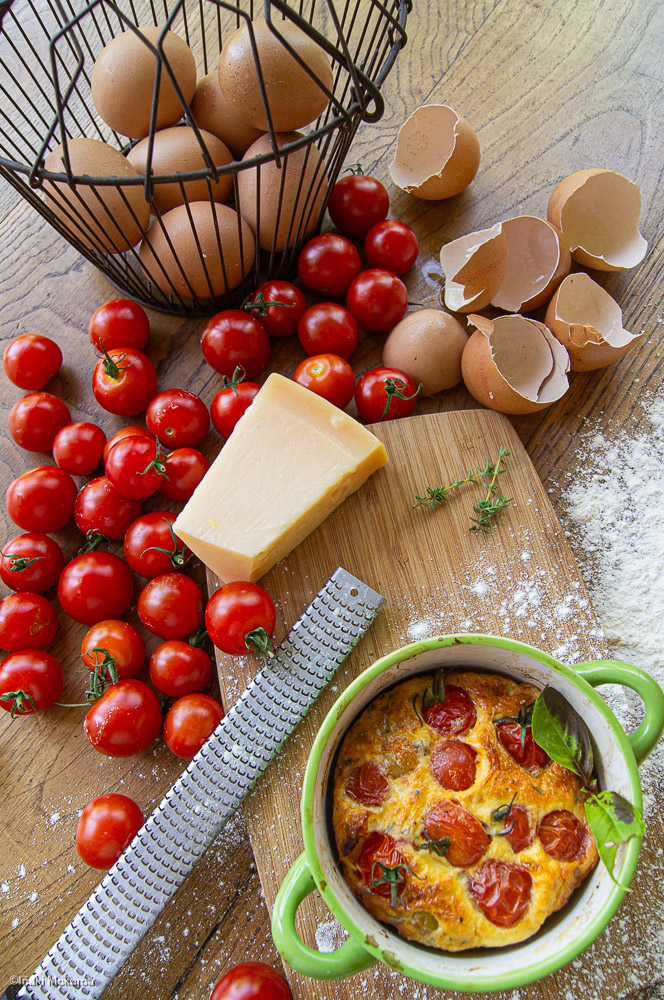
613,820
559,730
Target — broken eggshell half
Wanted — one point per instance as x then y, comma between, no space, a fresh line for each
588,323
597,212
475,266
537,261
437,155
514,364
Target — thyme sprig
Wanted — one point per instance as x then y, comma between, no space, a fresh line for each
487,508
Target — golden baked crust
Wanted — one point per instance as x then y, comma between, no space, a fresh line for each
406,857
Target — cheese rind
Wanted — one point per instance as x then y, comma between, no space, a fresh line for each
291,460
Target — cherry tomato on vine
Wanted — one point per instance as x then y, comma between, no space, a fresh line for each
189,723
95,586
132,431
232,338
232,402
357,202
502,891
391,245
327,264
125,720
379,848
178,418
113,647
252,981
377,299
42,499
78,448
31,360
328,376
171,606
106,826
119,323
102,509
385,393
27,621
468,840
178,668
184,467
135,467
278,305
30,681
152,548
236,610
454,715
35,420
124,381
31,562
328,328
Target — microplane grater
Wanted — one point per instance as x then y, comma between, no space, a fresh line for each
123,907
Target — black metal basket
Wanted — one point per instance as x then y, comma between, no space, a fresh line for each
47,51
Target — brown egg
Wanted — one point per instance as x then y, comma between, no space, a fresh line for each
123,81
288,198
294,98
212,112
437,155
104,217
178,150
537,261
190,272
514,364
427,345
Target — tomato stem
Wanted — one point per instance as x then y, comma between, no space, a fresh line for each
354,168
260,304
105,666
93,539
395,387
157,463
258,641
19,563
112,366
22,703
238,376
198,637
176,554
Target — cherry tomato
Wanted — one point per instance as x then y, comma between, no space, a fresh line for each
124,381
184,467
78,448
516,829
190,721
563,836
329,376
119,323
152,548
252,981
367,784
113,646
278,305
135,467
31,562
327,264
101,508
132,431
391,245
384,394
453,765
467,837
379,848
377,299
525,752
357,202
125,720
231,403
30,361
27,621
171,606
35,420
452,716
95,586
502,891
235,610
232,338
42,499
178,668
328,328
30,681
178,418
106,826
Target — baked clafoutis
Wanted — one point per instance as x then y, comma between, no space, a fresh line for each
450,822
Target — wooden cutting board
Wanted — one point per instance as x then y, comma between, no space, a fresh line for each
521,581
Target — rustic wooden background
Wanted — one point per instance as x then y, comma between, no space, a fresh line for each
551,87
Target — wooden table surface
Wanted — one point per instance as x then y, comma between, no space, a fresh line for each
551,86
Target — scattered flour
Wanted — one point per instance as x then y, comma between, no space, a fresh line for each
330,936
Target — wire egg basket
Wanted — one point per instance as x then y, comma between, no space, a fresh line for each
47,53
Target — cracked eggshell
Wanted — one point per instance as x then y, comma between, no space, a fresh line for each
588,323
537,261
427,345
514,364
597,212
437,154
475,266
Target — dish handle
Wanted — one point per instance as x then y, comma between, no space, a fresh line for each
644,738
350,958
